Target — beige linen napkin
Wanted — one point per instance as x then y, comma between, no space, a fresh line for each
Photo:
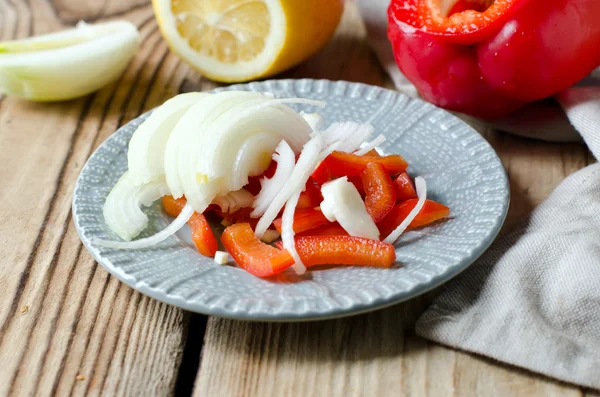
533,299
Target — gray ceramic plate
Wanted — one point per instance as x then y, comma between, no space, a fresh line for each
460,167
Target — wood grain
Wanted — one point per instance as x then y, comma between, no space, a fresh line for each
378,354
66,326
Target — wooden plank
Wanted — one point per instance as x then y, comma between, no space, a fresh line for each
377,354
67,327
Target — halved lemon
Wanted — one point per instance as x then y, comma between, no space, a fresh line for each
241,40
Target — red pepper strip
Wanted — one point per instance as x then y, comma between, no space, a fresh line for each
304,219
346,164
202,235
430,213
251,254
344,250
372,153
311,197
332,229
380,191
515,52
405,188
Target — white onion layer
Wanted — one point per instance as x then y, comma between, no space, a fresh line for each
421,187
350,134
366,148
308,160
122,208
68,64
146,153
287,232
286,159
184,216
342,203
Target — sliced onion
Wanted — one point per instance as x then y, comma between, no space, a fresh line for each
285,158
315,120
308,160
184,216
246,164
366,148
421,186
342,203
189,133
233,201
350,134
206,160
287,232
122,209
146,154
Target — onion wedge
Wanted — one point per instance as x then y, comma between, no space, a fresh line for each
69,64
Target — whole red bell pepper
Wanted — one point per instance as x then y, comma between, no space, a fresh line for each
487,58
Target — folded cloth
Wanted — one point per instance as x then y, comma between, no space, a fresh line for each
533,299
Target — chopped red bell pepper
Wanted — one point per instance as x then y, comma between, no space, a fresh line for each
253,255
311,197
304,219
487,58
331,229
380,191
202,235
346,164
343,250
430,213
405,188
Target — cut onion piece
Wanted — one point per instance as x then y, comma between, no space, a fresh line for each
285,158
308,160
315,120
146,154
287,232
366,148
68,64
350,134
233,201
342,203
421,186
122,208
184,216
204,145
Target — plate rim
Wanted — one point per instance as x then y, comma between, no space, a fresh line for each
357,307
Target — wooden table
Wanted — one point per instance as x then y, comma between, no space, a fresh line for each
69,328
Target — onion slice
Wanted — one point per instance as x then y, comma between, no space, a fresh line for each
287,232
178,223
370,145
146,153
421,186
308,160
350,134
285,158
122,208
342,203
